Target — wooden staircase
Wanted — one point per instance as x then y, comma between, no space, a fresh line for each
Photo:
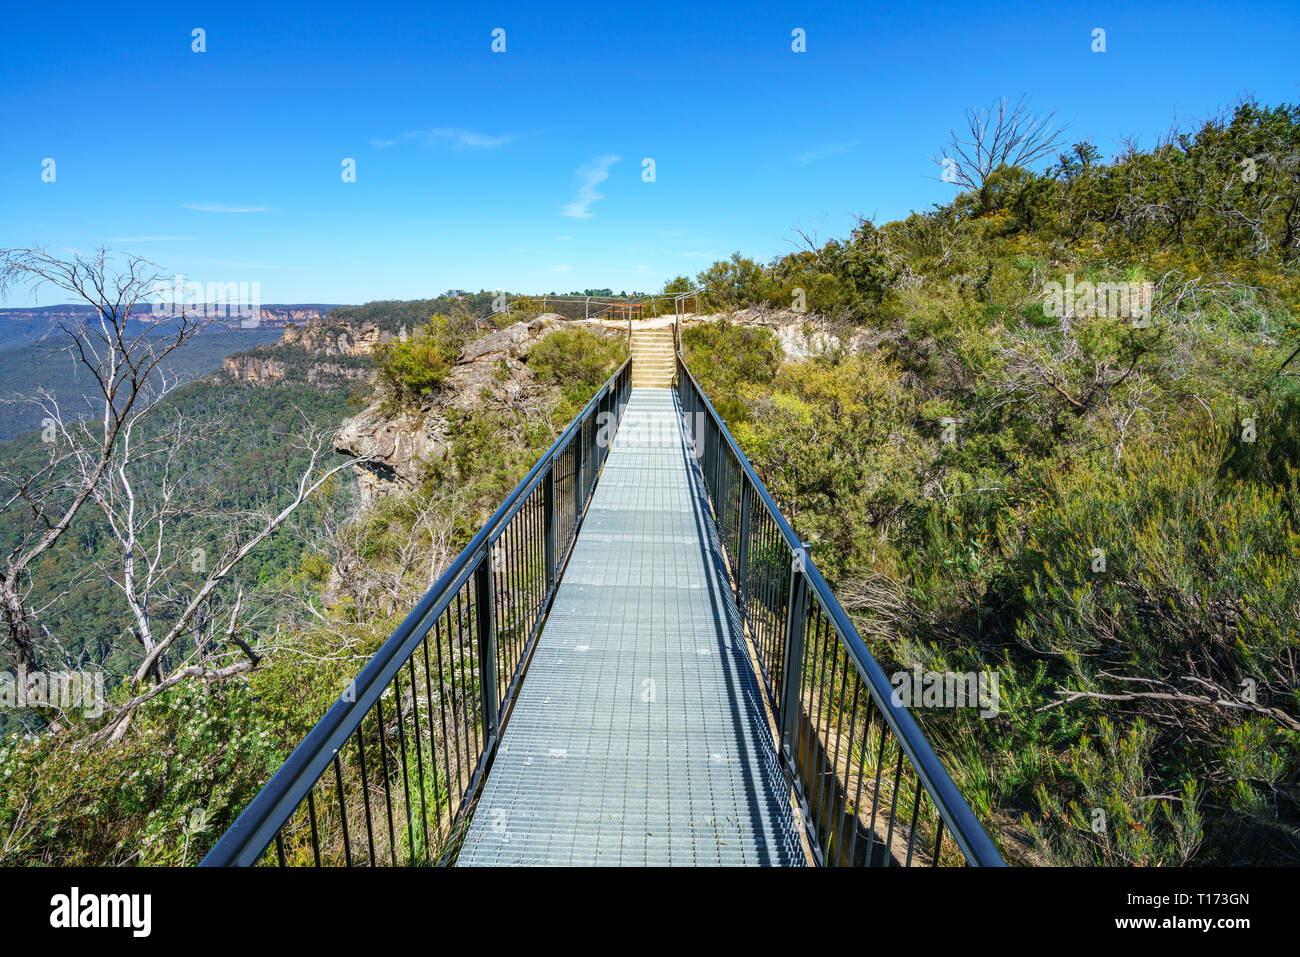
654,361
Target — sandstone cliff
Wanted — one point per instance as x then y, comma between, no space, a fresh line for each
335,339
802,335
251,368
303,351
490,369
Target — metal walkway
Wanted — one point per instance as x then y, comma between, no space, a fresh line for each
598,617
639,734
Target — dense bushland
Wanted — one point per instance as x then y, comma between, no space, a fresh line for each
1100,507
1103,506
334,587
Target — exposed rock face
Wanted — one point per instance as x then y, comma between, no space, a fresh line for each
402,440
247,368
335,340
802,335
286,315
321,373
317,338
489,369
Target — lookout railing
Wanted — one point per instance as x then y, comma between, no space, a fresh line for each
610,308
390,774
869,787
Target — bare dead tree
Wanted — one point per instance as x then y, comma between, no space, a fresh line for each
809,239
1157,690
124,368
180,608
1004,135
124,459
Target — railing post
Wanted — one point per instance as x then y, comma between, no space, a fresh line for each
487,641
708,446
719,458
602,426
742,550
577,476
792,682
548,512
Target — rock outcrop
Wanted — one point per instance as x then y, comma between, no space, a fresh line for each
802,335
330,373
490,369
254,369
332,339
316,338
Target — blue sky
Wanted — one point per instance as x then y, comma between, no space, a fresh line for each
225,165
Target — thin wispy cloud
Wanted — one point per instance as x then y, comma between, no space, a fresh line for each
821,152
590,175
150,239
457,137
561,268
222,208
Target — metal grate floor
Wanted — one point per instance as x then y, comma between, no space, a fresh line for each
639,736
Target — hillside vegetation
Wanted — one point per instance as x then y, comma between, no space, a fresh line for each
46,364
1096,496
1101,504
323,595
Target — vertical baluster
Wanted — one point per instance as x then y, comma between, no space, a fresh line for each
315,838
911,831
486,644
742,557
406,779
577,476
433,737
365,791
875,790
848,759
343,811
419,751
793,668
388,793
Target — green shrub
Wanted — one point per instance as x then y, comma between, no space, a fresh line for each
420,365
1119,815
578,361
736,282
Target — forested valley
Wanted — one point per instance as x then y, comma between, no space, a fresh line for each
1099,504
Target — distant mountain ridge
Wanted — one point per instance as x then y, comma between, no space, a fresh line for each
275,314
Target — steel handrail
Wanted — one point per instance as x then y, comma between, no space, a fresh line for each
964,827
252,832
